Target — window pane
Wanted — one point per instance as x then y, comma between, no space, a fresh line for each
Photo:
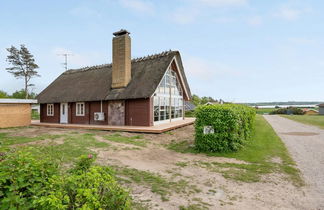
156,108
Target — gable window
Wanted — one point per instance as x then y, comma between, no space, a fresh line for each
80,109
50,109
168,98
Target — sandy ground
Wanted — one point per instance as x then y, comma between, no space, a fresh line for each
306,145
214,191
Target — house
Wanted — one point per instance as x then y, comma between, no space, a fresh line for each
15,112
189,106
310,111
138,92
321,109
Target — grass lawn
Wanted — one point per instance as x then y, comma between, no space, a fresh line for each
264,110
317,120
35,115
261,152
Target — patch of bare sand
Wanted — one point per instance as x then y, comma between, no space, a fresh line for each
45,142
34,131
220,193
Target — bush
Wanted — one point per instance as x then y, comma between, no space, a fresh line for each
29,183
85,187
288,110
95,188
22,179
232,125
190,113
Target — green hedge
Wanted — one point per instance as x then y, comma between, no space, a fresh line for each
288,110
27,182
232,125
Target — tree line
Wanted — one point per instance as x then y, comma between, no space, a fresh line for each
196,100
21,94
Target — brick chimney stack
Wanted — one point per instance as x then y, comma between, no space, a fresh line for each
121,61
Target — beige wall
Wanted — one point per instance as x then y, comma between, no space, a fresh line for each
12,115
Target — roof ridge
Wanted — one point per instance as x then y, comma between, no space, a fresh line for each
134,60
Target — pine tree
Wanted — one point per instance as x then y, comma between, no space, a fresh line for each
22,65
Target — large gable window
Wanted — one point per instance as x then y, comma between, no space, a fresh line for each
80,109
50,109
168,98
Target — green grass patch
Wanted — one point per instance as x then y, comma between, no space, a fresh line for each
73,147
264,110
317,120
240,172
134,140
158,184
193,207
182,146
258,152
35,115
6,139
181,164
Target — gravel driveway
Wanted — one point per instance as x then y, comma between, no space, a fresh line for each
306,145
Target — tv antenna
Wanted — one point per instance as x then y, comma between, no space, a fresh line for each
66,55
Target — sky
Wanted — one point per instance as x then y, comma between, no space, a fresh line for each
235,50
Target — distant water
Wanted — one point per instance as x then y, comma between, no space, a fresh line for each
285,106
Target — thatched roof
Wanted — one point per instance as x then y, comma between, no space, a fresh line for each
94,83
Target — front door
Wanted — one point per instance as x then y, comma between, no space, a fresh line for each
64,113
116,113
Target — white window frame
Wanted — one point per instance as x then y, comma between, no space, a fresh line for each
50,109
80,112
159,94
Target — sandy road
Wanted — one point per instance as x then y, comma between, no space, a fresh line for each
306,145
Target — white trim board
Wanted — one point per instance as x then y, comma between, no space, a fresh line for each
17,101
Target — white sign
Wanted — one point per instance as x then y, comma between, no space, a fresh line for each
208,129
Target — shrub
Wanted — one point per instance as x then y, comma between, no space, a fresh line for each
190,113
232,125
85,187
30,183
95,188
83,164
22,179
288,110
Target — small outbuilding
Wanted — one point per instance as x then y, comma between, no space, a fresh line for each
321,109
310,111
15,112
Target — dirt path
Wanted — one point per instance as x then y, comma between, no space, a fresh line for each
183,177
306,145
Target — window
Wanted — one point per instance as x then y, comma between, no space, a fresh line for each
168,98
50,109
80,109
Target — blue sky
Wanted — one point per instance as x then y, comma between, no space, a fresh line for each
237,50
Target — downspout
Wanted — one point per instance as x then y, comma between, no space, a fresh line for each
170,101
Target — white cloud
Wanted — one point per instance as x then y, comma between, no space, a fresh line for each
185,15
224,3
139,6
288,13
204,70
255,21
